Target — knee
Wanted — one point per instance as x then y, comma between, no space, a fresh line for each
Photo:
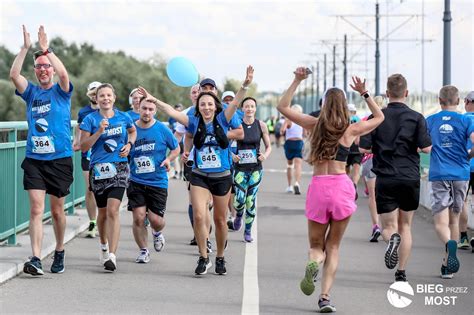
57,213
316,243
199,217
112,213
36,210
139,220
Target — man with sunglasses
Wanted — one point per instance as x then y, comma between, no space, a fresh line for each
48,165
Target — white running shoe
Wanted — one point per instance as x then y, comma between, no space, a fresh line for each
104,254
289,190
158,242
111,263
143,257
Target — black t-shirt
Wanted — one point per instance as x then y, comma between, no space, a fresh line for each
395,143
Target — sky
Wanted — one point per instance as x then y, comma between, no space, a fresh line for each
222,37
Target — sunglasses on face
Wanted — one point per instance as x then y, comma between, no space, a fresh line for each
42,65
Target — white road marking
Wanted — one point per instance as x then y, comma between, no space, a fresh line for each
250,299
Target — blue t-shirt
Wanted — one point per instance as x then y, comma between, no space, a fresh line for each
211,158
469,143
107,148
449,158
83,112
133,115
48,113
149,152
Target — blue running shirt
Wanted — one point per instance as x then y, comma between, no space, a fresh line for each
107,148
449,157
83,112
149,152
48,113
133,115
469,143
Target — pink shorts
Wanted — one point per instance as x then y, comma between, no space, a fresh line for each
330,197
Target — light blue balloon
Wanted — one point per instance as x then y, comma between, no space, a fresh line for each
182,72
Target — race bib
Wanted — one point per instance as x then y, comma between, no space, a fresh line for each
42,145
208,158
247,156
144,164
104,171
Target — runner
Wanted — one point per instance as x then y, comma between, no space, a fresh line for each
106,132
85,157
464,239
396,163
449,172
248,167
48,165
134,101
211,168
148,189
293,151
330,200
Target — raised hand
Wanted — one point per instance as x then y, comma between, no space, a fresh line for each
249,76
26,38
103,124
148,96
359,85
300,73
42,39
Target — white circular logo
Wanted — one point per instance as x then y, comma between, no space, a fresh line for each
400,294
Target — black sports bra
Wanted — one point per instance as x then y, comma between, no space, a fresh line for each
342,153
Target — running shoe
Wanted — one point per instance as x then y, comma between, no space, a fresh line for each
230,225
375,234
391,253
158,241
289,190
33,267
220,266
472,244
296,187
310,277
463,243
58,262
111,263
400,275
209,246
104,253
91,230
248,236
143,257
193,242
366,191
445,274
203,265
452,261
325,306
237,223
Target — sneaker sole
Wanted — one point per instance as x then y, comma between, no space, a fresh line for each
327,309
450,276
307,284
453,261
109,266
391,253
374,238
61,271
297,190
208,266
32,270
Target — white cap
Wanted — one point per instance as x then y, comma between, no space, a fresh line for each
470,96
93,85
227,93
351,107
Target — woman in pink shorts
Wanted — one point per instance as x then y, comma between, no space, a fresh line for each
330,200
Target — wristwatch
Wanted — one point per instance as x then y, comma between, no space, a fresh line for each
366,95
48,51
131,144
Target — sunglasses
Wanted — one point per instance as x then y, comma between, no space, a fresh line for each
42,65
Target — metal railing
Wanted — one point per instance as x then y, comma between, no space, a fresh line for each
14,201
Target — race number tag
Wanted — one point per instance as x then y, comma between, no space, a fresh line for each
42,145
144,164
247,156
208,158
104,171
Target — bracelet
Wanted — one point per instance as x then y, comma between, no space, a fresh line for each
131,144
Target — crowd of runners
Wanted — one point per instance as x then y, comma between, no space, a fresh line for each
216,147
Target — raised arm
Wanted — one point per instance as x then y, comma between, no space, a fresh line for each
230,110
58,66
364,127
180,117
305,121
18,80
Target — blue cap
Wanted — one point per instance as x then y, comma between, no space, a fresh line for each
208,82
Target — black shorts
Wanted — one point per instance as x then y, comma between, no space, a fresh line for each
471,183
85,163
187,173
54,176
391,194
111,192
218,186
354,159
154,198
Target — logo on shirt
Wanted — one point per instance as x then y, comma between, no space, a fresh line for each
144,145
113,131
41,125
445,128
40,107
446,118
110,145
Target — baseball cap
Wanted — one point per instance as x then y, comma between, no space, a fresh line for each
351,107
93,85
208,82
227,93
470,96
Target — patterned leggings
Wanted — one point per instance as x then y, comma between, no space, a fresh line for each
246,187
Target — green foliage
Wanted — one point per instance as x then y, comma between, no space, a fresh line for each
234,85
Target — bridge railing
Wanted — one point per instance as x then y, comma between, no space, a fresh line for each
14,201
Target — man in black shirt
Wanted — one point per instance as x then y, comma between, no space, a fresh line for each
395,145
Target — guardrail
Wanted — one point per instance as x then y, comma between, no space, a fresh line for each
14,201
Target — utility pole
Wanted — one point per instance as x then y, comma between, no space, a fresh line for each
317,84
423,57
447,43
377,50
325,73
305,95
334,65
312,89
345,63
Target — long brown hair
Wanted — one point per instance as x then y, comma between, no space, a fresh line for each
332,123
